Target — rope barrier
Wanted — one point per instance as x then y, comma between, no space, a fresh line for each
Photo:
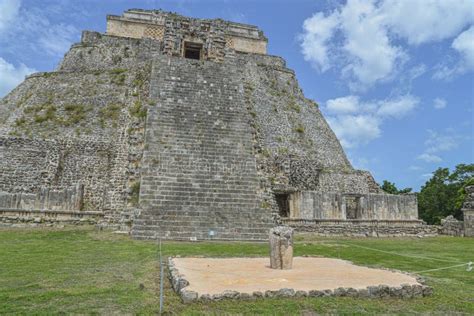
401,255
468,269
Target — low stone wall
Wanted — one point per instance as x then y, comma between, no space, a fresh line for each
362,228
452,227
31,218
69,198
334,205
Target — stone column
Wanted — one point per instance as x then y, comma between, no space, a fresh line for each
281,247
468,212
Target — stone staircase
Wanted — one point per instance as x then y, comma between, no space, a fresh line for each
199,178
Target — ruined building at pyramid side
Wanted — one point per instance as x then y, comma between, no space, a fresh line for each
180,128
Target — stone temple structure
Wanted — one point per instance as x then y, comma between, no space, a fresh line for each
181,128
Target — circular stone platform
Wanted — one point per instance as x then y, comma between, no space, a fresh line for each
215,278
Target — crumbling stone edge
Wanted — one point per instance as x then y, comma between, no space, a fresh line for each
179,284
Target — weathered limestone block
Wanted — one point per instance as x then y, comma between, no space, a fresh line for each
281,247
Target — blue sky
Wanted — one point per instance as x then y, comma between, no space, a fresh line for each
394,78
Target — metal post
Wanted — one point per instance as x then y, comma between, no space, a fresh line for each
161,281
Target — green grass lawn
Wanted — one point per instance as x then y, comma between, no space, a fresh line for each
84,271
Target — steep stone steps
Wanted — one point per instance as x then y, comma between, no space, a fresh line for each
199,170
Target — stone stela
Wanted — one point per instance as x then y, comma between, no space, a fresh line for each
281,247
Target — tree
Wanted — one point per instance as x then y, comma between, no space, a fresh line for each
391,188
440,195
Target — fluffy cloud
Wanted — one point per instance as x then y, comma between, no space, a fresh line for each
10,76
363,37
8,12
344,105
355,130
437,143
397,108
439,103
371,55
464,44
422,21
357,123
317,31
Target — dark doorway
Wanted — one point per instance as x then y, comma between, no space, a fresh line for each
352,207
283,204
192,50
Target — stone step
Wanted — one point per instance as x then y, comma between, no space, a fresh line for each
199,168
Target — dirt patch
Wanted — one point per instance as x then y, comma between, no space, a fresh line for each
247,275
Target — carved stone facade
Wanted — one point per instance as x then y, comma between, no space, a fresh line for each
214,38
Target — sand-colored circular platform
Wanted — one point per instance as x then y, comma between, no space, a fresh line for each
248,275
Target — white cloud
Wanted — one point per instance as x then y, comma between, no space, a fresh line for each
8,12
429,158
371,54
355,130
398,107
357,123
318,29
363,38
439,103
344,105
422,21
11,76
464,44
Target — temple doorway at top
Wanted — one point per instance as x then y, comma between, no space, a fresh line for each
192,50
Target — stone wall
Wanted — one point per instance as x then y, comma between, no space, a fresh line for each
34,165
68,199
362,228
319,205
452,227
34,218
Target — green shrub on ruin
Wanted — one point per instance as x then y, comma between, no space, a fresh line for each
299,129
137,110
135,193
75,113
292,105
111,112
118,76
46,113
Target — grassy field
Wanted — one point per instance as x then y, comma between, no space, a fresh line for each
84,271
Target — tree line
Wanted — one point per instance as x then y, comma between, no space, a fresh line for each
442,195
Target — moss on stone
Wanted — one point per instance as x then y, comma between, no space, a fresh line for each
299,129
